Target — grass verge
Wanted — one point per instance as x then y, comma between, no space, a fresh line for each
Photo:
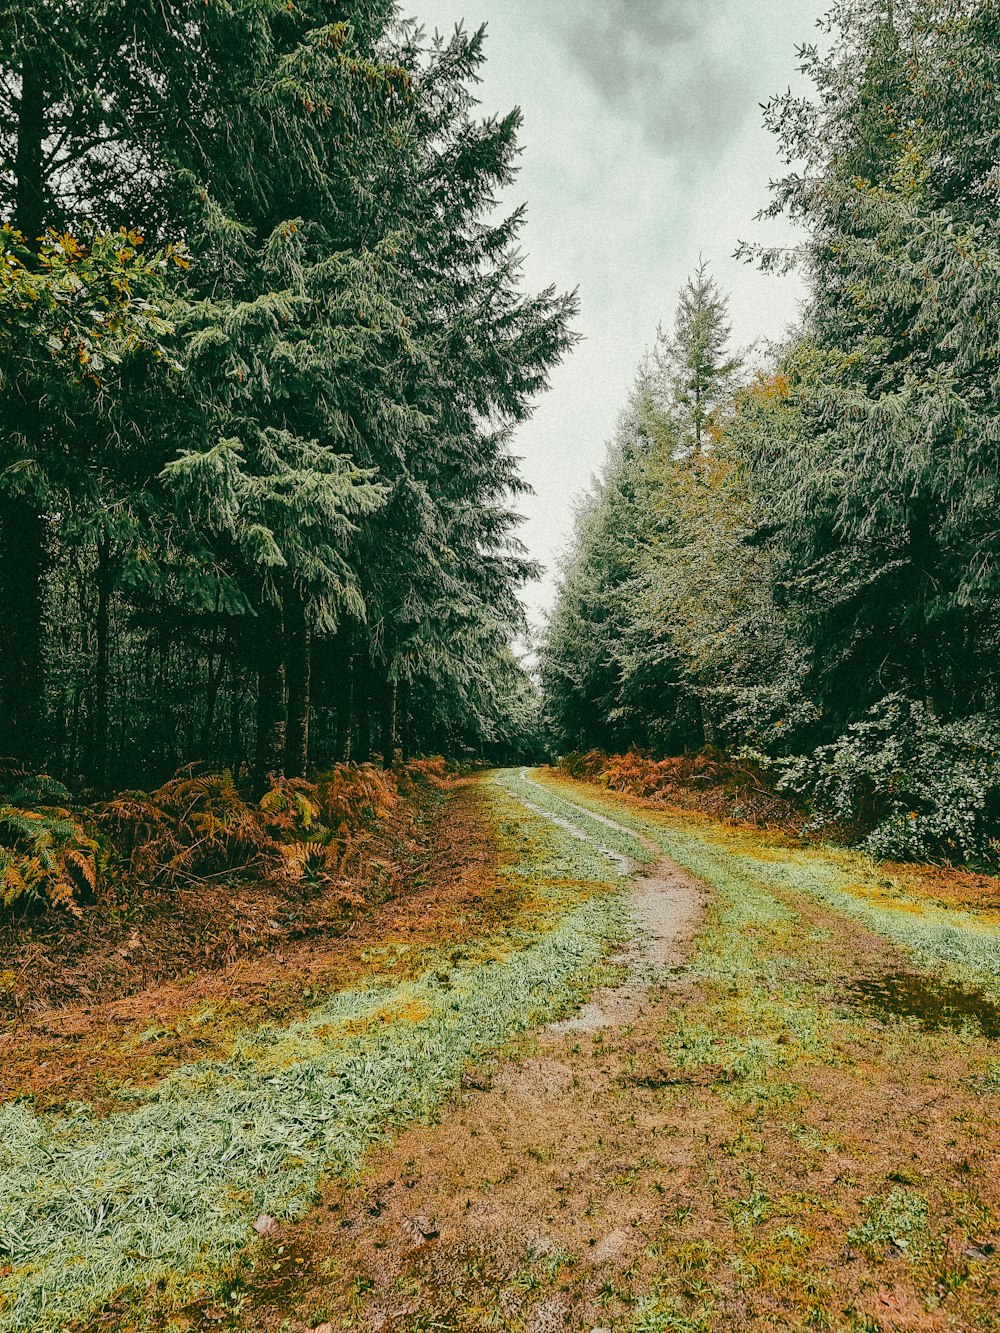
162,1194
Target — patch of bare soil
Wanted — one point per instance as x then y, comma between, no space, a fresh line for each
666,907
435,869
549,1161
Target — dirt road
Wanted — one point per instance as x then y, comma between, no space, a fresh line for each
638,1072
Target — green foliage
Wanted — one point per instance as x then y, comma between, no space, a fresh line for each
666,632
807,566
255,492
897,1219
47,859
914,787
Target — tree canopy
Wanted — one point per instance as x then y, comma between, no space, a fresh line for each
259,511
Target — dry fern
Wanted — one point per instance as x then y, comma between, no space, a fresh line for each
46,859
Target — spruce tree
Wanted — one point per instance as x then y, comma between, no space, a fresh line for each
696,373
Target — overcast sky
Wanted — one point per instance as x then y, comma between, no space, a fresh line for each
642,149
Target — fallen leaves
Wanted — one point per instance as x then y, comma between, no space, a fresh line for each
419,1230
267,1227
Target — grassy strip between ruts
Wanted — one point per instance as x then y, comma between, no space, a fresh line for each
600,830
165,1191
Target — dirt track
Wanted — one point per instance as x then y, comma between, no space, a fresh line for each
535,1168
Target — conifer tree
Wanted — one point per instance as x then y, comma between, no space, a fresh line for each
696,373
884,515
350,338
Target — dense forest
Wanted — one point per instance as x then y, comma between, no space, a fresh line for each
794,553
263,340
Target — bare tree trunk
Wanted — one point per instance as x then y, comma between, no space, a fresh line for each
236,696
406,732
216,667
270,749
362,708
22,564
102,688
298,671
346,713
389,724
22,526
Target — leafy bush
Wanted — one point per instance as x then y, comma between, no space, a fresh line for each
910,786
46,859
195,827
434,772
352,797
586,766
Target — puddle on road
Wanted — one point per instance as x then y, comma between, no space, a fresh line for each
934,1004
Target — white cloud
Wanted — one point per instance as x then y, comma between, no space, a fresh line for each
642,149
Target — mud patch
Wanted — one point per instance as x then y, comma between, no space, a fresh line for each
665,908
665,905
934,1004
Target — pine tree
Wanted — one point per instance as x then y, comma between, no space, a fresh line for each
696,373
885,513
351,339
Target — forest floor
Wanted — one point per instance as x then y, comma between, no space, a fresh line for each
732,1082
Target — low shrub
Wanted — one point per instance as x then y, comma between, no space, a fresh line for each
196,829
199,827
909,786
435,772
354,796
724,786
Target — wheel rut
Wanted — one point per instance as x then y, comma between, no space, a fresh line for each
665,905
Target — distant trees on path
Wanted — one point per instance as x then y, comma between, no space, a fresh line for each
806,562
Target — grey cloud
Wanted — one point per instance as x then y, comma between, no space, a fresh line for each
687,71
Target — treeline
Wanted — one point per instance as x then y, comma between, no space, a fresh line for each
801,557
263,339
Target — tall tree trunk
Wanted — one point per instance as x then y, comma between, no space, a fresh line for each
236,754
216,666
102,686
362,707
924,559
298,672
22,527
270,749
389,724
406,725
29,186
22,565
346,712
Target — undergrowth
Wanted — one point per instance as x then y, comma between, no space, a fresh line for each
197,829
723,786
